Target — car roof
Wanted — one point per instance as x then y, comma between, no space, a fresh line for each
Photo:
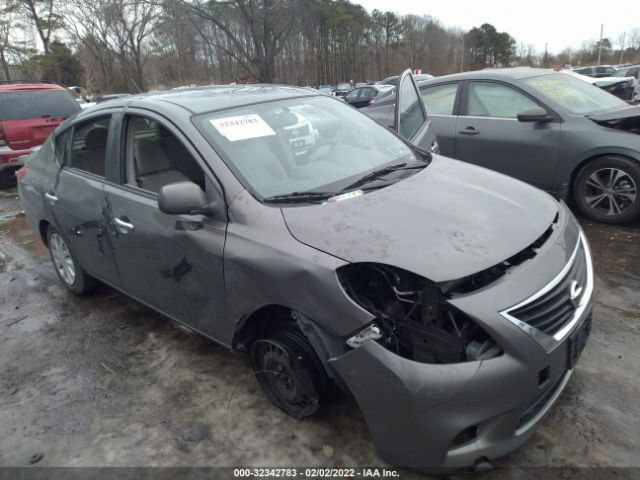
25,87
492,74
206,99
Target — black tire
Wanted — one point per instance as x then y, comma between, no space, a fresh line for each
290,373
606,190
8,178
81,282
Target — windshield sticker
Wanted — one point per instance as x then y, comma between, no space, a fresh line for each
242,127
345,196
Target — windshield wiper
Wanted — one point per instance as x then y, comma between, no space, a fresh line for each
376,174
299,197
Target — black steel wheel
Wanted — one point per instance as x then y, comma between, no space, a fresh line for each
290,373
606,190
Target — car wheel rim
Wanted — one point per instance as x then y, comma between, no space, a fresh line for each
610,191
62,259
278,374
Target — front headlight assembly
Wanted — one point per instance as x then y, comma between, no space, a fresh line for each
412,317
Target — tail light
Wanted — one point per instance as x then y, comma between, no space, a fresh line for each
21,173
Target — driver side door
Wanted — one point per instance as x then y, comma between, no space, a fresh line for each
490,135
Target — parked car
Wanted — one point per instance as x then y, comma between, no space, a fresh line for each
625,88
113,96
547,128
326,89
628,71
596,72
383,111
452,302
394,80
366,95
342,89
29,112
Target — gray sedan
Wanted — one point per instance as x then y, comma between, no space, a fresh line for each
452,302
546,128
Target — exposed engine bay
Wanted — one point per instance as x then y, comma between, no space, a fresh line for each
414,317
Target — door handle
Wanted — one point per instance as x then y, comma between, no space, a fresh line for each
469,131
51,197
123,225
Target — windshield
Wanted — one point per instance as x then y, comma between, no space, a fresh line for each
34,104
344,86
576,95
302,144
620,73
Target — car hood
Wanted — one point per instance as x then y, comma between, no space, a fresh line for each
608,81
449,221
618,114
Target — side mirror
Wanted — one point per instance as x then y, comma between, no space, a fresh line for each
183,198
534,114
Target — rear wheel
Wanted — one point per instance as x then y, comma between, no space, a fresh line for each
290,373
7,178
72,276
606,190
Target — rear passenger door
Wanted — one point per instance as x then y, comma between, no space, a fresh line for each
441,102
170,262
77,198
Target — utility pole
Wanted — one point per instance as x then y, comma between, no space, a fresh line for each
462,56
622,47
600,44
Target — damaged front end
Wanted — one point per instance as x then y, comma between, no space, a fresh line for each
626,120
443,381
413,318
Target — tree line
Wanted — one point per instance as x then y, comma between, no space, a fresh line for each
139,45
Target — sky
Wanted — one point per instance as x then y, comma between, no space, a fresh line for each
559,23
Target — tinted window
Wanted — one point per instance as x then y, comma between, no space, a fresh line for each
440,99
43,103
156,157
576,95
496,100
89,145
255,143
412,116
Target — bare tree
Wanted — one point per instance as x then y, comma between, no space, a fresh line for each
45,17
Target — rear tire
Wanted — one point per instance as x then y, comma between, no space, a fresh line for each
8,178
290,373
70,273
606,190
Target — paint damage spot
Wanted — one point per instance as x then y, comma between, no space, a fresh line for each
178,272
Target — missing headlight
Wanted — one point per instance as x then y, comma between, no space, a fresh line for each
415,320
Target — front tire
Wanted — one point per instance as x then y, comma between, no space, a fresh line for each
606,190
290,373
72,276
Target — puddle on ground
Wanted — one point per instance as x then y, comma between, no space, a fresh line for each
16,234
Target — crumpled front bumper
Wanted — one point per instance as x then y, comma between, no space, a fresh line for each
459,416
415,411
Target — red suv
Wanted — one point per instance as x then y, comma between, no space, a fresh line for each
29,112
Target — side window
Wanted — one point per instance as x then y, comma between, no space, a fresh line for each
440,99
351,96
89,145
496,100
367,94
62,147
410,110
155,157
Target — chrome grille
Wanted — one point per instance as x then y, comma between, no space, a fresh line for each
551,311
555,309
